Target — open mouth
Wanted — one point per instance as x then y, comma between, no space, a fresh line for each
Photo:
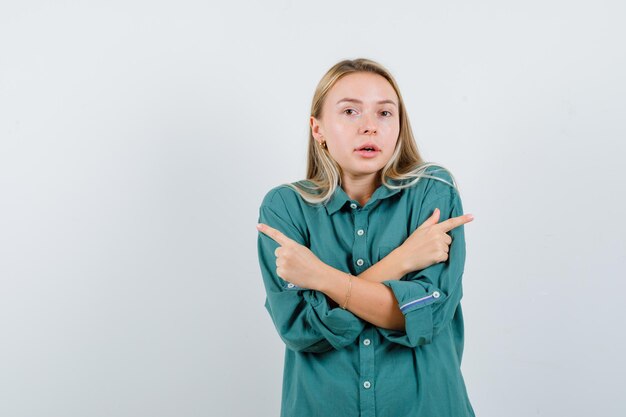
368,147
367,151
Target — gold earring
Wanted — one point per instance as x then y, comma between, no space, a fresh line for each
323,144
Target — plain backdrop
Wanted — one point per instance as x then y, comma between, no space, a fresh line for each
138,138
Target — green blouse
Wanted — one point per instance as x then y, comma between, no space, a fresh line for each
337,364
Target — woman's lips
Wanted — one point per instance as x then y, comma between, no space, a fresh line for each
367,154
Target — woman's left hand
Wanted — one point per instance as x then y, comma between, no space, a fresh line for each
295,263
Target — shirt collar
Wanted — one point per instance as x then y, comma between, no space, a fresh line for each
340,198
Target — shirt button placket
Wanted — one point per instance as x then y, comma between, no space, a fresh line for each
359,250
367,372
366,347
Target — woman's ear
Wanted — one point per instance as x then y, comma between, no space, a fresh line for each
316,129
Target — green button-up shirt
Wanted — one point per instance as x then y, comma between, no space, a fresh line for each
337,364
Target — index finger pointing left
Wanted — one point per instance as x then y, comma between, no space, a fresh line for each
275,234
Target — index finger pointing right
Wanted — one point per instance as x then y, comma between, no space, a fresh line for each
450,224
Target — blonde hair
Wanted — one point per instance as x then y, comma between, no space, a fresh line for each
323,176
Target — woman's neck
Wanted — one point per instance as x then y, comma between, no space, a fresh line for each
362,188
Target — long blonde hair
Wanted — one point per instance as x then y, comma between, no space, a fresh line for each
323,176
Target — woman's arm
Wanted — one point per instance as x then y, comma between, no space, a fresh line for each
375,302
426,246
371,301
390,267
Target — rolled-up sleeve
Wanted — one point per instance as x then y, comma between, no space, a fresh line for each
303,318
429,298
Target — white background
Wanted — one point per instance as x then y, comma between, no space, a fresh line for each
137,139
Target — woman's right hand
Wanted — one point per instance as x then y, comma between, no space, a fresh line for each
429,243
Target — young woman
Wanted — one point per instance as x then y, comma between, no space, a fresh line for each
362,262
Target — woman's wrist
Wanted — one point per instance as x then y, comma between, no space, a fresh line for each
391,267
397,261
332,282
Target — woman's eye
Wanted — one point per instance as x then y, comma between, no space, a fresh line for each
386,111
348,110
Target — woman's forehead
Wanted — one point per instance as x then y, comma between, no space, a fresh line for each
362,88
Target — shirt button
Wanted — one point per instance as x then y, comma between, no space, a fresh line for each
436,294
360,232
353,205
290,285
367,384
366,342
359,262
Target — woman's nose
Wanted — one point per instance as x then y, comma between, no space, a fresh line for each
368,125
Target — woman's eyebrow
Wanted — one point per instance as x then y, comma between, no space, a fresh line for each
360,102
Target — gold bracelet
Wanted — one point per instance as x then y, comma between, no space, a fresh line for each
349,291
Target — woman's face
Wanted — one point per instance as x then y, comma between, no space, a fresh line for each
361,108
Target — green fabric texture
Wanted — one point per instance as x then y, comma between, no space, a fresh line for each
337,364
